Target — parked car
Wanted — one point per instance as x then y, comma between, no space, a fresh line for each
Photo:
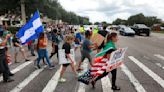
126,31
141,29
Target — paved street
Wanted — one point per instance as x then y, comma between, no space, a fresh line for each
143,71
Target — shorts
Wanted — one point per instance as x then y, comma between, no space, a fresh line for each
65,65
87,55
17,49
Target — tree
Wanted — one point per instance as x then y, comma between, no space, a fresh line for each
119,21
97,23
136,19
50,8
149,21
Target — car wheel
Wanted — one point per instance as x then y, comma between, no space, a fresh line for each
124,34
148,34
120,33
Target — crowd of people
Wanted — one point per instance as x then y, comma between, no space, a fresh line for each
70,37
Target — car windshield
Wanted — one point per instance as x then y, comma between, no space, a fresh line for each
142,26
128,29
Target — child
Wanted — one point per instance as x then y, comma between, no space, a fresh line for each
67,48
87,47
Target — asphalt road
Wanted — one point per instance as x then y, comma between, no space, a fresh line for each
143,71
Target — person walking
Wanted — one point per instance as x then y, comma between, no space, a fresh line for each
18,48
67,48
42,50
111,42
4,69
55,43
87,47
104,33
31,46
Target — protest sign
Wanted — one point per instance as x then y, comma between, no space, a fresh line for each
116,59
97,39
62,56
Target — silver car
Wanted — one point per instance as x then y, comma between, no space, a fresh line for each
127,31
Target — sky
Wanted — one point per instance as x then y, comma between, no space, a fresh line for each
109,10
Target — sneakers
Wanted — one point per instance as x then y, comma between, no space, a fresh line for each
16,62
33,55
115,88
38,66
11,74
8,80
27,60
52,67
62,80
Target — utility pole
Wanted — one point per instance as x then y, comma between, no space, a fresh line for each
23,13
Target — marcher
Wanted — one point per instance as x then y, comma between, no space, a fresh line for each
55,43
111,40
31,46
87,47
42,50
4,69
104,33
78,39
18,47
67,48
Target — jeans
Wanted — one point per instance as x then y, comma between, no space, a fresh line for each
43,53
3,65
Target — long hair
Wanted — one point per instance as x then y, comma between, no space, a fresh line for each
41,36
110,36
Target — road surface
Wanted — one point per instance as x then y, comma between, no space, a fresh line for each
143,71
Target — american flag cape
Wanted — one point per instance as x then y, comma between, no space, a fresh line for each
98,68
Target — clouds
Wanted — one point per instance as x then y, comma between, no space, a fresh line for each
109,10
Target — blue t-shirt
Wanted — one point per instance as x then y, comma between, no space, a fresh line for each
78,35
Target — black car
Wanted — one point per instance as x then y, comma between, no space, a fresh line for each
141,29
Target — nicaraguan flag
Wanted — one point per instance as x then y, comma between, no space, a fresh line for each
31,30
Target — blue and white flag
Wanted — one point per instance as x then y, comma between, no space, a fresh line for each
31,30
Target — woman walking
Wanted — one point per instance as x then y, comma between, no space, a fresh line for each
42,50
111,41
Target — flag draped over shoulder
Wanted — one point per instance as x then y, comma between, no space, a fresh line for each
31,30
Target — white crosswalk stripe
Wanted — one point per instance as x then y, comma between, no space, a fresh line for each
17,69
25,82
51,86
106,84
155,77
159,56
132,79
82,86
